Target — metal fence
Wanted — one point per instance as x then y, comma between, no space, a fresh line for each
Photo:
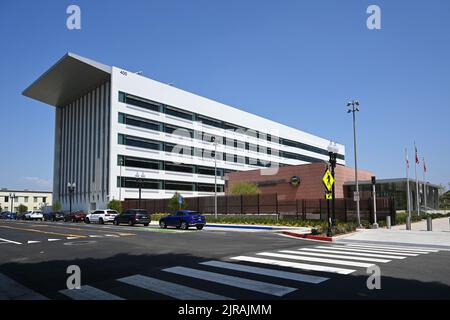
269,204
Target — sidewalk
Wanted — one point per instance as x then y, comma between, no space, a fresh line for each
441,224
398,235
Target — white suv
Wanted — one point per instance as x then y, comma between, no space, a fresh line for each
34,215
101,216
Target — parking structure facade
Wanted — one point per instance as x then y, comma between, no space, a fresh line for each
116,131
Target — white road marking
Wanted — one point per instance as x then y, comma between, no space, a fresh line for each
410,250
170,289
9,241
12,290
267,272
352,253
95,236
264,287
295,265
320,260
111,235
32,241
71,238
51,240
336,256
89,293
368,250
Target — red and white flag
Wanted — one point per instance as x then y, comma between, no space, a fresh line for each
407,160
424,165
417,155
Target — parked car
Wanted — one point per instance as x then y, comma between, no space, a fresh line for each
101,216
54,216
76,216
132,217
34,215
183,219
8,215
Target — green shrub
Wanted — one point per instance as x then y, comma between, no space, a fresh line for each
174,204
244,188
56,206
115,205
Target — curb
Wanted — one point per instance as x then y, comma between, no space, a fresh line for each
307,236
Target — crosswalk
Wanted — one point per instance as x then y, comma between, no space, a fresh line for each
272,273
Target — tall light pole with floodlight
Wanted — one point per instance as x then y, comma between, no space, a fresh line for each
213,140
71,187
353,107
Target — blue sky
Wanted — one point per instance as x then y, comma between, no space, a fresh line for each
296,62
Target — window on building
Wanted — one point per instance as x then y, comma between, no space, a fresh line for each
209,121
6,199
183,132
139,142
138,122
178,113
35,199
25,199
135,162
170,166
177,185
139,102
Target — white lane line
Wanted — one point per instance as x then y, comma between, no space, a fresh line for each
71,238
89,293
95,236
295,265
32,241
267,272
423,251
9,241
111,235
264,287
51,240
353,253
170,289
12,290
367,250
320,260
336,256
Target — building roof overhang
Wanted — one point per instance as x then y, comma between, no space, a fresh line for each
68,79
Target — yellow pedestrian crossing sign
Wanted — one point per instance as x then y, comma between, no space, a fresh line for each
328,180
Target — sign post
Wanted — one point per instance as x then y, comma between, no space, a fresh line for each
180,201
328,182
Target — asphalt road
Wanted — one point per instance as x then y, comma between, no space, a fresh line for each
149,263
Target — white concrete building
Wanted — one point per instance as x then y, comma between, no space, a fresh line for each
106,116
11,199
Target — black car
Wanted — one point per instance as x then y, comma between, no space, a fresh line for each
54,216
132,217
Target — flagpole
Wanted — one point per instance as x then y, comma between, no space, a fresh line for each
407,185
417,180
424,183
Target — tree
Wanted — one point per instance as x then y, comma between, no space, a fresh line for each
444,200
21,209
244,188
115,205
56,206
174,203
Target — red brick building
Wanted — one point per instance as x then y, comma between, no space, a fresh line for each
310,175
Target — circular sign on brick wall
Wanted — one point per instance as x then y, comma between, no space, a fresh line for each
295,181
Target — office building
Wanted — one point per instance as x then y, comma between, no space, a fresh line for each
117,131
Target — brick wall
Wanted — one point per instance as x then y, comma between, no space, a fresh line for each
310,187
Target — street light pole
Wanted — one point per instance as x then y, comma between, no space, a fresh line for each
332,152
12,196
375,224
139,181
353,108
213,140
71,188
120,179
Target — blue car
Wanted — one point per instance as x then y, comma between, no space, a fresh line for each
8,215
183,219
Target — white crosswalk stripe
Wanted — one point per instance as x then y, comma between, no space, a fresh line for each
89,293
12,290
170,289
295,265
320,260
267,272
399,249
253,285
337,256
384,256
367,250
